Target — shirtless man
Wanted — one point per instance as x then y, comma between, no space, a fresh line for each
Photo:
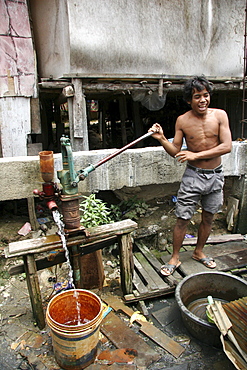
208,137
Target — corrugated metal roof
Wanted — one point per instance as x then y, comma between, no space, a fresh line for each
237,313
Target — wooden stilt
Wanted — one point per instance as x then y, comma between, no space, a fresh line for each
126,262
34,290
123,117
32,214
78,118
76,265
138,124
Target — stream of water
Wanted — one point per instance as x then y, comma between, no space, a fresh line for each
60,225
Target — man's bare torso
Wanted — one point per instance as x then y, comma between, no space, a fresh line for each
201,133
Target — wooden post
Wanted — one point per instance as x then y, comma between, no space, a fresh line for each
75,262
32,215
123,117
78,118
34,290
126,262
137,122
102,123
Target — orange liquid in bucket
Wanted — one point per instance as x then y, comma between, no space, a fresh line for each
74,317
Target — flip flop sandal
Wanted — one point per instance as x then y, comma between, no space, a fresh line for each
171,268
206,261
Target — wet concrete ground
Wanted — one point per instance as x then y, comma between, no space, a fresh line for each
25,347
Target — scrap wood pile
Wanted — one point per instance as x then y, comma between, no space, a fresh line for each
130,347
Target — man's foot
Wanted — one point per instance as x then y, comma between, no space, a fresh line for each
168,269
206,261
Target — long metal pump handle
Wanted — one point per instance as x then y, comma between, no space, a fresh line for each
84,173
119,151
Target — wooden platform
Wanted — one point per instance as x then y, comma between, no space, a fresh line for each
149,283
227,256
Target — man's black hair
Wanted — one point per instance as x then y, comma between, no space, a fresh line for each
198,83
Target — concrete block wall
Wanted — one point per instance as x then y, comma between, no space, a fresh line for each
132,168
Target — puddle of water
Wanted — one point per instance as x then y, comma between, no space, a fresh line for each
199,306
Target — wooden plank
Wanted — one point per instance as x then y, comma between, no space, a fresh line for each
52,242
41,263
155,263
215,239
190,266
221,249
145,274
132,298
49,261
154,279
124,337
138,284
147,328
232,260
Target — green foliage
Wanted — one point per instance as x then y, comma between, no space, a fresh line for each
94,212
132,208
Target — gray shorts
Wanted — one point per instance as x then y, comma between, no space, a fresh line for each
195,187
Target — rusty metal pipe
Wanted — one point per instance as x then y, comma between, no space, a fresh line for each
84,173
119,151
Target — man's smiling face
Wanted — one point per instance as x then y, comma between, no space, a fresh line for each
200,101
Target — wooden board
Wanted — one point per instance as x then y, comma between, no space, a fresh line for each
139,285
146,327
155,263
216,239
154,281
232,260
124,337
147,281
226,256
52,242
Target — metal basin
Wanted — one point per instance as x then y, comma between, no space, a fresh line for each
195,288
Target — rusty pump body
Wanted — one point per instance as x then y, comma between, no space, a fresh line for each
70,197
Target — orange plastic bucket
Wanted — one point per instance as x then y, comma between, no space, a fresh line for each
74,317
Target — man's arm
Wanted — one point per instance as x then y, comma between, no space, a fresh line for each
171,148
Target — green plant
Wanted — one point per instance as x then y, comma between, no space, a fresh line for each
132,208
94,212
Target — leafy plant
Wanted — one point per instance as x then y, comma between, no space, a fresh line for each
94,212
132,208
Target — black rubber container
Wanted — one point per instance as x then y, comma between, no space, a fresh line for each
219,285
